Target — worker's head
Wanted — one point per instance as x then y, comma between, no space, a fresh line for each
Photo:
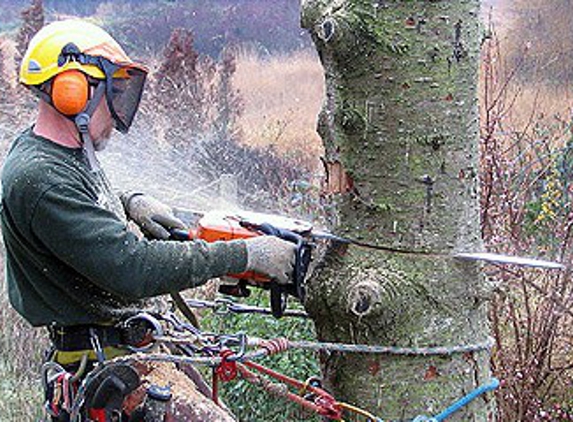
74,65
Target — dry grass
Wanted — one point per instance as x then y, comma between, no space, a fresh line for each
282,97
541,102
525,103
21,349
531,95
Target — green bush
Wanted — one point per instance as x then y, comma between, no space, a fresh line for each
249,403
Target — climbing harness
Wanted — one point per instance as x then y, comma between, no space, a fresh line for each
81,347
135,332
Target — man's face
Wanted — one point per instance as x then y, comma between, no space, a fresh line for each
101,125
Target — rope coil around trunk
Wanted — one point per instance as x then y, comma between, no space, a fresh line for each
377,349
272,346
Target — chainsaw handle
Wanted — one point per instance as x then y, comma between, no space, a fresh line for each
302,253
279,293
271,230
180,234
278,299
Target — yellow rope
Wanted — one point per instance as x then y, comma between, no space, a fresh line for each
306,384
304,388
359,411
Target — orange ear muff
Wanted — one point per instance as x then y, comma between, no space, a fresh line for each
70,92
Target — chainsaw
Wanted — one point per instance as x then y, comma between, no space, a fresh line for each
224,226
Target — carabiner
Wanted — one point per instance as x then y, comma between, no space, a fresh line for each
241,339
155,324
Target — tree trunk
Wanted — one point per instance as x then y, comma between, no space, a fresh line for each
400,128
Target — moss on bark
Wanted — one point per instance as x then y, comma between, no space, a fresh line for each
401,116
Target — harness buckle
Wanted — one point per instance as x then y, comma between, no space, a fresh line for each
96,346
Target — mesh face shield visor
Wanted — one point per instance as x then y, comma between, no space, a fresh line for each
124,87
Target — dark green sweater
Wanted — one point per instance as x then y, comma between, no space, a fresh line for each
69,256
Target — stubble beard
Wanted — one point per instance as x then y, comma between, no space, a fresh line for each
101,143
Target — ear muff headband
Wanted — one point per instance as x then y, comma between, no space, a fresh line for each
70,92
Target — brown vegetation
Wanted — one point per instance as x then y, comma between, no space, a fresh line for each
526,210
195,106
282,101
542,28
184,89
32,21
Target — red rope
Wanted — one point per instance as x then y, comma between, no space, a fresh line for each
226,371
215,388
322,402
269,387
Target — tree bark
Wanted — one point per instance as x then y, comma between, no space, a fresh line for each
400,129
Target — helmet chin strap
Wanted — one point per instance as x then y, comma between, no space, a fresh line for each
82,121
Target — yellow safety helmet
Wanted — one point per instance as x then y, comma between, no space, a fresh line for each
42,61
62,57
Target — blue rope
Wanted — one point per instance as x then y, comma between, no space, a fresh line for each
454,407
464,401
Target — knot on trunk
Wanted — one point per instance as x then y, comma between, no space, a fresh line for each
325,31
363,297
378,291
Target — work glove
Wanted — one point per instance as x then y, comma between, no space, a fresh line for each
271,256
152,216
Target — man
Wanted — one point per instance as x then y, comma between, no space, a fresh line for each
71,263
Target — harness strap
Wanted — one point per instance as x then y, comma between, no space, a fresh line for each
76,338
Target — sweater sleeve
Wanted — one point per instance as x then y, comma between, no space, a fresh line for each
98,246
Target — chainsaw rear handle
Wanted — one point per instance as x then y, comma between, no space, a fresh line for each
302,253
280,292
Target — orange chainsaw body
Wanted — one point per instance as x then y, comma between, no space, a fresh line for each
224,226
214,227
